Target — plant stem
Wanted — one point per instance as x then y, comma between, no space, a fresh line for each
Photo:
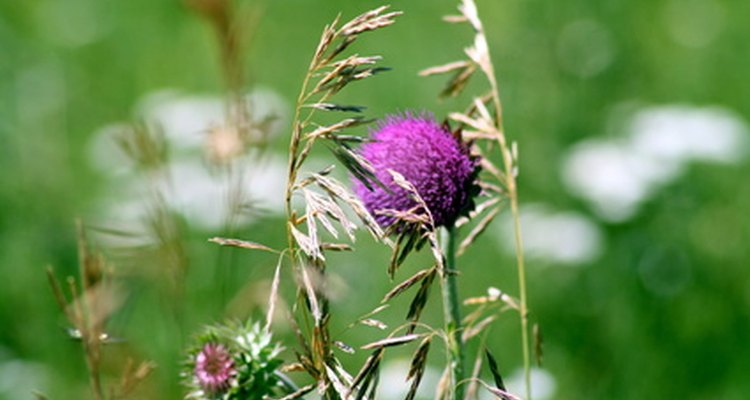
292,170
522,289
320,339
452,311
510,184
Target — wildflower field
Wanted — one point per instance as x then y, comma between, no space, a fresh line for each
468,199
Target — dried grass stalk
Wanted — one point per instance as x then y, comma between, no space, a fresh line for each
329,72
408,283
87,311
245,244
392,341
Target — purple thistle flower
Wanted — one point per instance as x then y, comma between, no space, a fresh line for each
214,368
427,155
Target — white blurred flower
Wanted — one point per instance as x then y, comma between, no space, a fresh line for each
681,134
185,119
188,186
224,144
617,175
543,383
613,178
202,198
566,238
18,377
394,385
104,152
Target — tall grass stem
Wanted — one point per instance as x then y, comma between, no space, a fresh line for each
510,166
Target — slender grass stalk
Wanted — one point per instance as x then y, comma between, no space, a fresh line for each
479,58
327,74
293,154
451,304
293,168
90,270
512,187
89,340
522,288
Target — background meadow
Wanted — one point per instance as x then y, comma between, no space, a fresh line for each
632,123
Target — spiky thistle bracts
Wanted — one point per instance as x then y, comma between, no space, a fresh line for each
234,361
428,155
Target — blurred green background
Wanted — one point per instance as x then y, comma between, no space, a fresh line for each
631,119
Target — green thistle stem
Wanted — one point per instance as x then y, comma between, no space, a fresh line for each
451,307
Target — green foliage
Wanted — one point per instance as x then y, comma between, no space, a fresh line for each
71,67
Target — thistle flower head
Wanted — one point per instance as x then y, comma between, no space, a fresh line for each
214,368
234,361
430,157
